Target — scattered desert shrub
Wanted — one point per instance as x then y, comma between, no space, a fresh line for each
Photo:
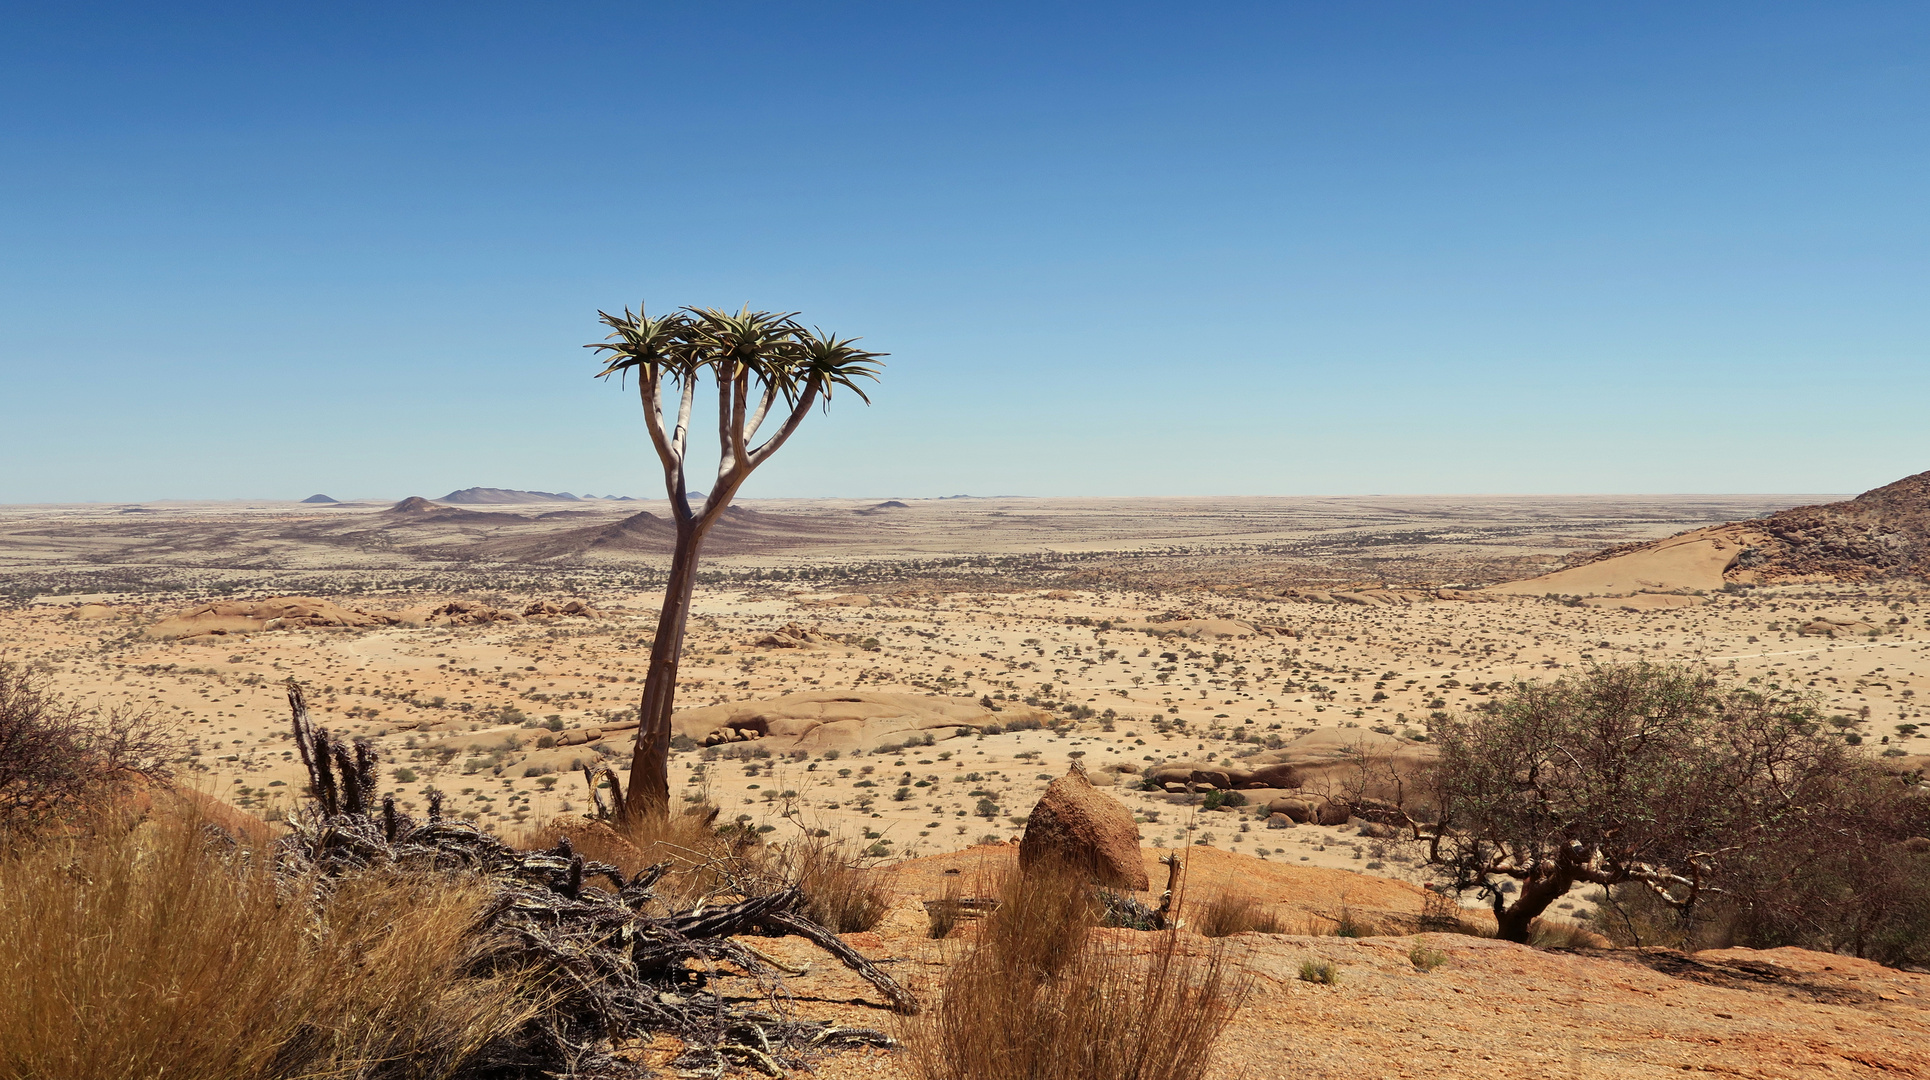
1853,878
1319,971
1425,958
1230,913
1639,772
143,951
1039,998
56,757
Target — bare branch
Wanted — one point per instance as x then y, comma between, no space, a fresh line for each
682,435
763,408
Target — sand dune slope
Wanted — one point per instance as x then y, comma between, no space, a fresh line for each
1692,560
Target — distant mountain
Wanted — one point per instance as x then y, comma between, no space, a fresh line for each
320,499
738,530
484,495
415,508
888,504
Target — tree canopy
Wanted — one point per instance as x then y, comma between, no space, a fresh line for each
1649,774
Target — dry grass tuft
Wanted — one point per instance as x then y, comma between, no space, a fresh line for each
1319,971
1040,997
707,861
1561,934
140,951
703,859
1424,957
1346,924
838,893
1231,913
942,914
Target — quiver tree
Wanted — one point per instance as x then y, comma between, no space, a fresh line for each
1646,774
765,366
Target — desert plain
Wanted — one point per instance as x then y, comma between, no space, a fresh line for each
974,648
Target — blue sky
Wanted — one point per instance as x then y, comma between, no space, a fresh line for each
263,251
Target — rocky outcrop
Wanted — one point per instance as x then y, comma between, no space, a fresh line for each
790,636
570,609
845,720
256,616
1380,597
466,613
1078,826
1225,777
1836,626
1310,808
1330,759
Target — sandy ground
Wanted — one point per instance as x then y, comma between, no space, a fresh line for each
1492,1009
1207,671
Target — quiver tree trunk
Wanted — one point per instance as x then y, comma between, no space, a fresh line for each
650,767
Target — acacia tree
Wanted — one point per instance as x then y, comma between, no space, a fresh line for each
764,365
1647,774
56,755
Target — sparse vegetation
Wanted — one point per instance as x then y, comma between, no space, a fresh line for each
56,757
838,893
1319,971
142,951
1229,913
1425,958
1036,999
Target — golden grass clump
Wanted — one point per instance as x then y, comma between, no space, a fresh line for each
1229,913
1041,996
706,862
140,950
1346,924
838,893
703,859
1562,934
